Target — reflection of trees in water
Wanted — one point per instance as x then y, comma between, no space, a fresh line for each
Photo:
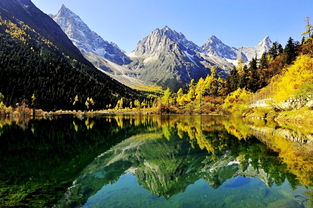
40,158
191,145
181,150
294,146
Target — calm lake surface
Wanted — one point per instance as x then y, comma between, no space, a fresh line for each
154,161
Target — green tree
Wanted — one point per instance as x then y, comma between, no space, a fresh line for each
276,50
264,61
290,51
232,80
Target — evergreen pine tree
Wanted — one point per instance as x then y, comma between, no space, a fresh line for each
291,51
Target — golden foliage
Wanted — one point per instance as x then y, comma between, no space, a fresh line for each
294,81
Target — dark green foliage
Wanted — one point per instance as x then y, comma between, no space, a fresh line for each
264,62
276,50
260,72
33,68
29,14
51,154
253,64
232,81
291,51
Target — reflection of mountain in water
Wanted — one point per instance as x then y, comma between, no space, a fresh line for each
166,155
166,164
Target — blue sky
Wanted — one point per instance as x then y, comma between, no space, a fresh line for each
236,22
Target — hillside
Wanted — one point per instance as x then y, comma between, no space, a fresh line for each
37,58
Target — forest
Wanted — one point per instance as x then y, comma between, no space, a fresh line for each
35,73
62,83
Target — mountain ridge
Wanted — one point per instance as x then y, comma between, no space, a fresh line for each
87,40
163,58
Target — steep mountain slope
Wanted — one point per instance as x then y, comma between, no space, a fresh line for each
214,46
37,62
26,11
257,51
105,56
166,58
152,63
122,73
85,39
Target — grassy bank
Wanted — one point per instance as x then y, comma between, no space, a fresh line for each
297,116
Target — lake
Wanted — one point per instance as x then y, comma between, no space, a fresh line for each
154,161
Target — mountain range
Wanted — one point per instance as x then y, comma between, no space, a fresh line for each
165,57
60,59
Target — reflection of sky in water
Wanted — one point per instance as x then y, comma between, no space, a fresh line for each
235,192
176,161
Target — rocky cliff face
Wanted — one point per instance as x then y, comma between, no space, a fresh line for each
216,47
257,51
85,39
165,57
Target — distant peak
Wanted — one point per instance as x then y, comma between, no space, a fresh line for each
214,38
63,7
266,41
166,28
64,10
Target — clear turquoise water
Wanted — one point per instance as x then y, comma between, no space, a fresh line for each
236,192
148,162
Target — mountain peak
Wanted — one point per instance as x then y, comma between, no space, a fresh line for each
87,40
166,28
215,47
63,7
64,11
213,37
266,42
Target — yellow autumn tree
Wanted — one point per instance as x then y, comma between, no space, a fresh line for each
294,81
180,97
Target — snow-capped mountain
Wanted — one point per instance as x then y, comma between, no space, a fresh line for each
165,57
214,46
85,39
257,51
159,39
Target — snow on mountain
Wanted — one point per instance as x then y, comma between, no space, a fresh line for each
214,46
257,51
165,57
85,39
161,40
